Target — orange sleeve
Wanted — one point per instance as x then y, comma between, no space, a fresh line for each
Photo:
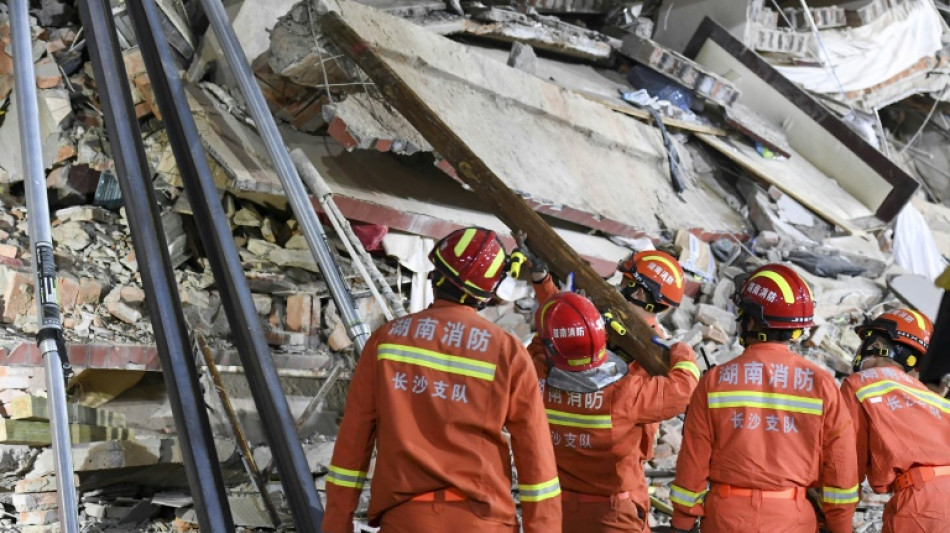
692,466
538,485
840,490
659,398
355,442
862,426
545,289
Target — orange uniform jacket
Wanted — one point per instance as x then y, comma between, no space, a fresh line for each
899,422
599,437
433,391
544,290
767,420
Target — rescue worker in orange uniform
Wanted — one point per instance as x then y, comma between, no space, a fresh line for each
765,426
597,408
903,429
432,391
653,281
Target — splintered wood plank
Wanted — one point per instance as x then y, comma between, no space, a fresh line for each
33,433
37,408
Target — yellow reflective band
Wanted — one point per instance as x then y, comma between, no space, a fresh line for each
766,400
540,491
452,364
839,496
685,497
464,241
576,420
353,479
456,272
920,319
578,362
445,263
688,365
495,265
881,388
675,271
783,285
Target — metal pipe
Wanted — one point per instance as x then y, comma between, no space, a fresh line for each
318,186
296,195
202,467
50,334
246,327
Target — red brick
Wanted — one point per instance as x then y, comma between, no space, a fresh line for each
338,131
89,292
67,290
8,250
299,307
18,296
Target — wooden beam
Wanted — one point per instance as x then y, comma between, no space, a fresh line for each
37,408
504,203
32,433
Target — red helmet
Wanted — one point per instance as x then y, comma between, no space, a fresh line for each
572,332
473,259
777,298
903,326
658,273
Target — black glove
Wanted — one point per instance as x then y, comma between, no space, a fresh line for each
539,270
677,530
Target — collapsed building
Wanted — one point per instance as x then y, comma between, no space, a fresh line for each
729,133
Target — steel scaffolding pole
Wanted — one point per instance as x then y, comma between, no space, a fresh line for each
50,335
296,194
215,232
202,467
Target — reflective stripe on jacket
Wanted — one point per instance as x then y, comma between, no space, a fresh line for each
432,391
767,420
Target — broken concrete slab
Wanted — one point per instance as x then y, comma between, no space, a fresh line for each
376,126
704,83
918,292
834,152
541,139
548,34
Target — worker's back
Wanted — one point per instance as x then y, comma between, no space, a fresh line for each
765,409
437,387
908,425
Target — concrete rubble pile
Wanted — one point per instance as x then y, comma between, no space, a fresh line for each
735,214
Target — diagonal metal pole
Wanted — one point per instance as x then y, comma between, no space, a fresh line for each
246,328
202,467
50,335
296,194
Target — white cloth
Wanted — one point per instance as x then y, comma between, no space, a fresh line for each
412,252
868,55
914,246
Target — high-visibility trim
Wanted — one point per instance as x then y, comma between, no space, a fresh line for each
920,319
579,362
669,265
688,365
684,497
766,400
576,420
783,285
456,273
464,241
452,364
839,496
883,387
352,479
495,265
540,491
